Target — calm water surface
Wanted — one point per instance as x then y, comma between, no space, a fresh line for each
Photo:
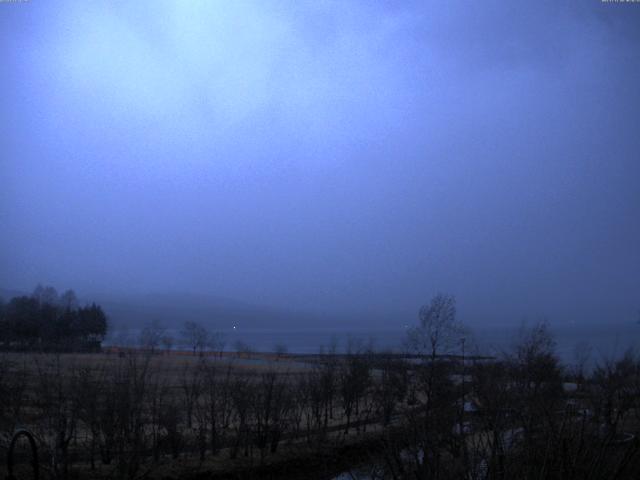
603,341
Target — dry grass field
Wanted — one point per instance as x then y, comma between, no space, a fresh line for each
133,414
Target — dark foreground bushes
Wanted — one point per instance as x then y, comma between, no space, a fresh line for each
517,417
431,415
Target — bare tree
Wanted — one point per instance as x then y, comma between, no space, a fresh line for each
391,389
151,335
614,391
582,355
167,342
429,442
191,384
216,342
218,401
242,395
354,378
13,392
57,412
242,348
271,404
438,332
195,336
280,349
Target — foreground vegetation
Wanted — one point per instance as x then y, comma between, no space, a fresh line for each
433,415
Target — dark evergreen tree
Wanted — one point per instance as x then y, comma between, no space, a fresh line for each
43,321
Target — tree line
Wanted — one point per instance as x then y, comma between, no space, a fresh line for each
47,321
441,415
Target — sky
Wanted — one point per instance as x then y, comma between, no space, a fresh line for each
347,158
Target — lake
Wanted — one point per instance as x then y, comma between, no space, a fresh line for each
604,341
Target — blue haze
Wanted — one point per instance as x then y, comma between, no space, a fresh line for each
344,159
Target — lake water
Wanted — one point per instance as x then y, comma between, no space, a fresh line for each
605,341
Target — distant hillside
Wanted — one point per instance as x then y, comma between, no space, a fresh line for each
173,309
214,312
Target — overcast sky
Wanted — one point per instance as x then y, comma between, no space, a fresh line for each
347,158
